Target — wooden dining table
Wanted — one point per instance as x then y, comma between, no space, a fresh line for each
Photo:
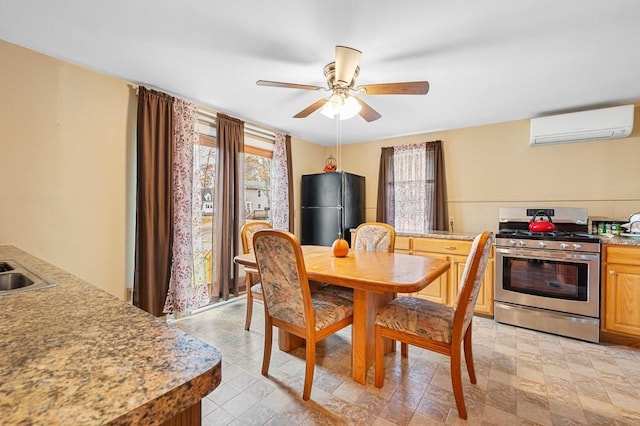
375,279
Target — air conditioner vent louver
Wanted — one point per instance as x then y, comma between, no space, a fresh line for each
599,124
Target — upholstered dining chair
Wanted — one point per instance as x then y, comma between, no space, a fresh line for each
254,291
374,236
288,302
368,236
436,327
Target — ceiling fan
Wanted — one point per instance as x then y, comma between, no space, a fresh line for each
341,76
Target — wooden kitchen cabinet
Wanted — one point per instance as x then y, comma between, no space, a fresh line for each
402,245
484,304
621,290
445,290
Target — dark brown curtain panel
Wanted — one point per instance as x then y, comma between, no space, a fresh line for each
384,211
438,216
229,216
290,179
154,206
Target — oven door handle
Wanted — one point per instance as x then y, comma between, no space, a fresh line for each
546,254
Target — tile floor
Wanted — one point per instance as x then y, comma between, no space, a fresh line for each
524,378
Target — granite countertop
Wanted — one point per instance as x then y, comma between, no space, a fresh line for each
74,354
446,235
469,236
619,240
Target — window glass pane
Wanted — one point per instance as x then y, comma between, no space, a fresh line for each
410,195
205,159
256,187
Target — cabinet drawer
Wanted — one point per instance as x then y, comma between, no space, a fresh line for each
403,244
625,255
433,245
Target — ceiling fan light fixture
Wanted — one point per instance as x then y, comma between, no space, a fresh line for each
344,108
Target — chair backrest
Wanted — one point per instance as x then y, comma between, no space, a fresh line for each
375,236
247,232
285,285
470,283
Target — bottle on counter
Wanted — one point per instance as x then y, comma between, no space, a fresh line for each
615,229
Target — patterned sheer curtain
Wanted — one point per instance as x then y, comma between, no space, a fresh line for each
281,184
411,188
410,185
187,286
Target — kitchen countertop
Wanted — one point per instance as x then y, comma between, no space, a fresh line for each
74,354
619,240
446,235
469,236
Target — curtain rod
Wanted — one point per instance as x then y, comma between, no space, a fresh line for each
249,129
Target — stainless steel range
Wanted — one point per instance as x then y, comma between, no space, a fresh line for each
548,281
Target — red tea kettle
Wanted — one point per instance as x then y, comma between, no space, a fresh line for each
541,225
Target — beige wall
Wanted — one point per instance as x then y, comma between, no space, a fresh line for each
305,159
493,166
66,140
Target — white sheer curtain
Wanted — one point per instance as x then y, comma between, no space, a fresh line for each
411,202
279,175
188,285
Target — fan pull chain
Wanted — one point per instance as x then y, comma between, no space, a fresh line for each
338,142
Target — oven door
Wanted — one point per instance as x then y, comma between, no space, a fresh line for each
556,280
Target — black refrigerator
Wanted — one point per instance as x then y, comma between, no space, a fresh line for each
330,203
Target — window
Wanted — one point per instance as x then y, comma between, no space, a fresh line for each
410,182
257,163
256,185
413,198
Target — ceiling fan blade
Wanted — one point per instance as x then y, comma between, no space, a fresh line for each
347,60
367,112
311,108
408,88
288,85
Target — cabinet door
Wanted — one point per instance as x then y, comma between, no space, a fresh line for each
622,304
402,245
484,303
437,291
457,269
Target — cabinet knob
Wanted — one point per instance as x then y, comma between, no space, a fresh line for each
612,272
450,247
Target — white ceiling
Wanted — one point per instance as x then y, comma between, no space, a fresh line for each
486,61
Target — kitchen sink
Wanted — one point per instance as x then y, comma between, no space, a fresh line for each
15,277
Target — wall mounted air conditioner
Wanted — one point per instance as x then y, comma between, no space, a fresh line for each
597,124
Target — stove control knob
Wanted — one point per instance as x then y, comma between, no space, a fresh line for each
577,246
512,243
522,243
542,244
564,246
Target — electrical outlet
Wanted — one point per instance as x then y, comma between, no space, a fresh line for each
451,220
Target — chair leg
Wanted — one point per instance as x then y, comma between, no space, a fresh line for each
404,349
468,356
309,368
379,358
456,380
268,337
249,283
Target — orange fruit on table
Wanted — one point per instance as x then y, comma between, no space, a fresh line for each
340,248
